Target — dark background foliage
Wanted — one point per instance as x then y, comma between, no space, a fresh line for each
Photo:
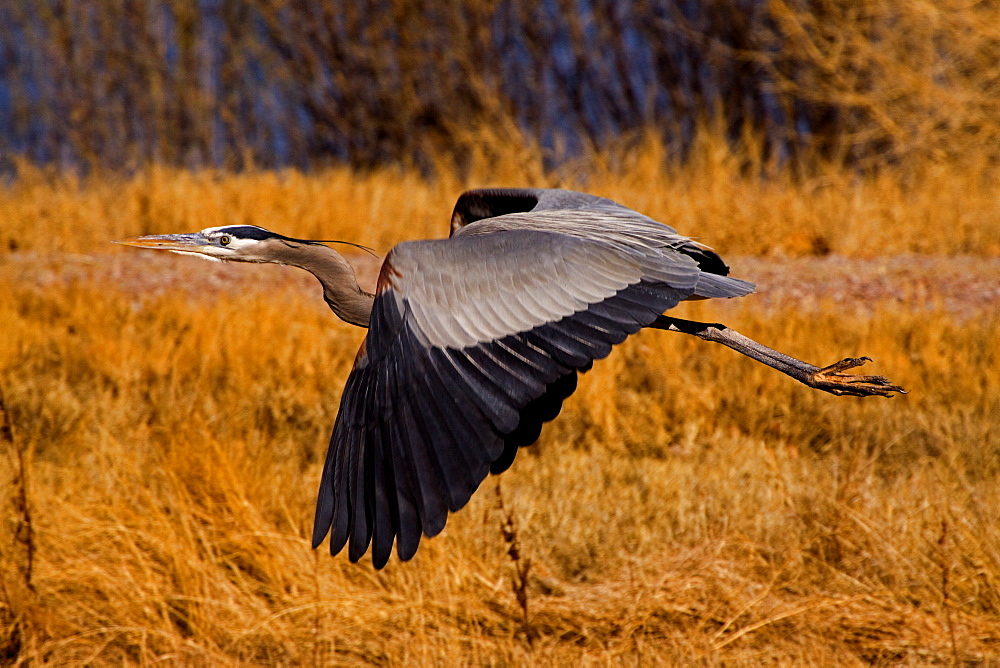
227,83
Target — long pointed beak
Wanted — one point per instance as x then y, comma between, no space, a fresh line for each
184,243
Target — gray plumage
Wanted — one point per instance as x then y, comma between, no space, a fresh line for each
474,342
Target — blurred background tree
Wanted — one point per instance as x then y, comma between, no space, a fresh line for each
238,83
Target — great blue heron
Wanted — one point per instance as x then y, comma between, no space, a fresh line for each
475,341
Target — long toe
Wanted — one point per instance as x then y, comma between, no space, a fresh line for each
831,379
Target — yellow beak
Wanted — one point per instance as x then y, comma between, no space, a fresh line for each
185,243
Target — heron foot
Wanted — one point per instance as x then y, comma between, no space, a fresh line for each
830,379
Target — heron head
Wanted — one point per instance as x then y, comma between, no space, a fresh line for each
231,243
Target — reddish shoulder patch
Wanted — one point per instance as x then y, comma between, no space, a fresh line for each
387,275
362,357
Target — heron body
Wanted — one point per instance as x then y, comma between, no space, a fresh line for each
476,340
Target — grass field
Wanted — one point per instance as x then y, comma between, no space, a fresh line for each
688,506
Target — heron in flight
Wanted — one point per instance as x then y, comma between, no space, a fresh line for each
476,340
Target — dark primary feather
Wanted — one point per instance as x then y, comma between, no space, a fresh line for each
474,343
483,203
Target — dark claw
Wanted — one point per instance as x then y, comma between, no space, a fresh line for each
830,379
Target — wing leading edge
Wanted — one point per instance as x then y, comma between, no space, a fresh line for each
474,342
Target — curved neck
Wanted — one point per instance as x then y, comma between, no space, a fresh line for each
340,285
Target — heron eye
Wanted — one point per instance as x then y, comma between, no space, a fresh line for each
225,239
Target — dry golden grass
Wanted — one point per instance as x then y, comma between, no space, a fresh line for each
688,506
927,208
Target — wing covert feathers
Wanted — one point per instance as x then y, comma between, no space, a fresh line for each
474,343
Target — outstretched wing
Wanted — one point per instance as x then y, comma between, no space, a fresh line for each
473,343
482,203
489,209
